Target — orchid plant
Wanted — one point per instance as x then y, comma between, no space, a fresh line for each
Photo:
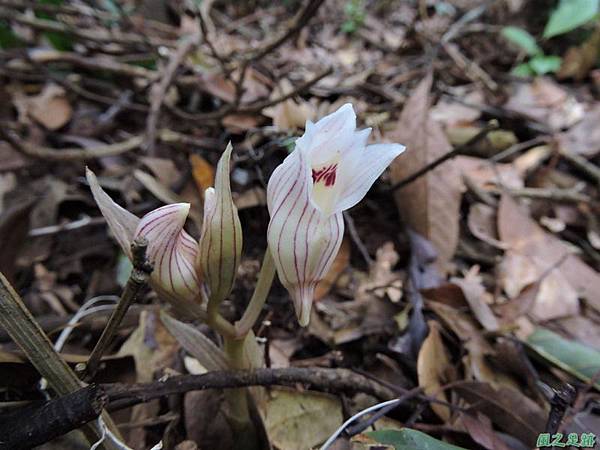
330,170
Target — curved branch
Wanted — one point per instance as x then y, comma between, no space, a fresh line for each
328,380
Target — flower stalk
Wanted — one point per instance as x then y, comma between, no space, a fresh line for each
259,296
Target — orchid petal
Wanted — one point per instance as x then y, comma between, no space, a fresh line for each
221,239
120,221
171,250
366,168
329,137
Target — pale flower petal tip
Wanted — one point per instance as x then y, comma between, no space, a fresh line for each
171,249
302,297
121,222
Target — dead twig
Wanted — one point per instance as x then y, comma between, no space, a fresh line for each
556,195
100,62
137,280
471,69
563,398
159,90
71,154
356,239
34,425
451,154
582,164
101,35
299,21
249,108
84,154
329,380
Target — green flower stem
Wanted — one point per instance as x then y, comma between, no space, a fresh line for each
237,400
263,286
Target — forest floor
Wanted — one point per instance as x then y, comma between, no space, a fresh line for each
468,280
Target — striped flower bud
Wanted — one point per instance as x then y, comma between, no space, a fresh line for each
221,238
171,250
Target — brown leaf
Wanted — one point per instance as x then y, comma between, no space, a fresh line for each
205,422
478,349
520,305
430,205
482,224
537,252
486,175
476,297
509,409
584,137
450,112
203,173
481,431
163,169
217,85
237,123
545,101
290,114
51,108
433,366
578,61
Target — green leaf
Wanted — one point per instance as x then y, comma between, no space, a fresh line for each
572,357
543,64
60,41
522,70
8,39
569,15
407,439
522,39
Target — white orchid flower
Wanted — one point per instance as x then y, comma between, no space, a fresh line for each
179,264
330,170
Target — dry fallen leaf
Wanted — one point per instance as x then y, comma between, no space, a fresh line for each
433,366
534,253
477,298
486,175
430,205
203,173
163,169
450,112
291,114
478,349
482,224
546,102
578,61
51,107
300,420
481,431
508,408
584,137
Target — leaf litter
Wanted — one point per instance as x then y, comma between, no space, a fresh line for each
477,282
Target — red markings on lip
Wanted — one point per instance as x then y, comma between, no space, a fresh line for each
326,174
